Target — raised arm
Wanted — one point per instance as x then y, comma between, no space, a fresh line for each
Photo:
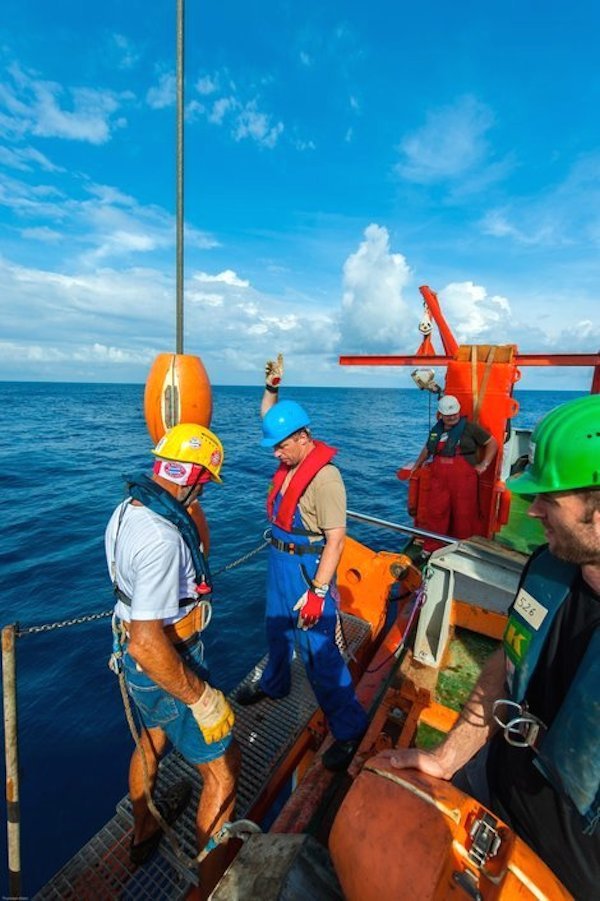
273,377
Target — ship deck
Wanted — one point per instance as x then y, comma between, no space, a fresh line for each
266,732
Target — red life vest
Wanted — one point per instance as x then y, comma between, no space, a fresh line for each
319,457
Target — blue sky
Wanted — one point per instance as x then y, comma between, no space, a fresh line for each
338,155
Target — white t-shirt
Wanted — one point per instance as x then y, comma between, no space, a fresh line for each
153,565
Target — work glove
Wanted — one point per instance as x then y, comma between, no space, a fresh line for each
213,714
273,373
310,607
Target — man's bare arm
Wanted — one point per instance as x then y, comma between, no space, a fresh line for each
474,728
334,545
152,650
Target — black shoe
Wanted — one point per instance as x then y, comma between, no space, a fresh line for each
250,694
338,755
170,806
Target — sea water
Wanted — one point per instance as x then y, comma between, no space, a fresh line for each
64,449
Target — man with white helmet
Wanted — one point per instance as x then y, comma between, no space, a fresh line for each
307,510
161,580
532,723
453,442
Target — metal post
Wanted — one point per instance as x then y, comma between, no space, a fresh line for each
179,178
11,754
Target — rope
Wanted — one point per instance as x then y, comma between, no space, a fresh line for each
241,829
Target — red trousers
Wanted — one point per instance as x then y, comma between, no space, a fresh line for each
453,503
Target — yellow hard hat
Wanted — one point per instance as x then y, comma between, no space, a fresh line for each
191,443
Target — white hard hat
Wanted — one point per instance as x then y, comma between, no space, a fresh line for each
449,405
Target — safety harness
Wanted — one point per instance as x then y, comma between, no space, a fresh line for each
319,457
152,495
449,448
567,753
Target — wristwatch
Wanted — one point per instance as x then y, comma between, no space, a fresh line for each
320,588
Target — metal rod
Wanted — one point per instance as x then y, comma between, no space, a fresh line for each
11,755
397,527
592,359
179,177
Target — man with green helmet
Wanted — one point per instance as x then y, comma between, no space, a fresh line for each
532,723
162,586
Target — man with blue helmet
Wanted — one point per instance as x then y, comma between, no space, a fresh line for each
306,506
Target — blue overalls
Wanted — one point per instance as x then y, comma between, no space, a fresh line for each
325,667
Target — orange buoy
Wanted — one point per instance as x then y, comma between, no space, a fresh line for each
400,834
177,390
199,517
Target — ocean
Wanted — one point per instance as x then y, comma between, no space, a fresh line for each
64,451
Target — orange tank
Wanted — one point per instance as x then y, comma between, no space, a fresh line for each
177,390
400,834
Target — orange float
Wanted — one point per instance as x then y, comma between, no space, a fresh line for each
177,390
199,517
400,834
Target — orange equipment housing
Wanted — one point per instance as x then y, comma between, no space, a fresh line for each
177,390
402,834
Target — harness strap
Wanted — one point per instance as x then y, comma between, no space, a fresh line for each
296,549
126,600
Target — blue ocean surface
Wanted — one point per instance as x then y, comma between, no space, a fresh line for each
64,450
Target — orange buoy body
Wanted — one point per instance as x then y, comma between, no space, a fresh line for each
199,517
400,834
177,390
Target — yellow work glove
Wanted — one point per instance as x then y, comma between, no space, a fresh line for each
213,714
273,373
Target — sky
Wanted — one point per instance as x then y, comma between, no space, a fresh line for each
338,155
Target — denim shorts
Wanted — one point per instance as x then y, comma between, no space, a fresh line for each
158,709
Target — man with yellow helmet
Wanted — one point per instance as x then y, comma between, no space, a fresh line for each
161,581
532,723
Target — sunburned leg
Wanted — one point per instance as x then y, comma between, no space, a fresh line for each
154,742
214,809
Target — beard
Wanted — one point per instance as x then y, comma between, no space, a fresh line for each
581,547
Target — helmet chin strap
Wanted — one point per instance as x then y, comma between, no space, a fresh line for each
193,487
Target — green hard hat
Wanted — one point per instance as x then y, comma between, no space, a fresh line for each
564,451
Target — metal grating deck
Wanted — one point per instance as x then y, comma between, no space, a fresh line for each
101,870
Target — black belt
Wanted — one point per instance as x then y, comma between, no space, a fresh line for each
291,548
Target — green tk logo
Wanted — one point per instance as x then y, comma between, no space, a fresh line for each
517,638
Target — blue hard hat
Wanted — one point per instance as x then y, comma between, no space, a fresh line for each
282,420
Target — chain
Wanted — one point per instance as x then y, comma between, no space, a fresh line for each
93,617
243,559
50,627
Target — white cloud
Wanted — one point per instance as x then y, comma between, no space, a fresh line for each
244,118
163,94
26,159
227,277
566,213
374,314
474,315
207,85
220,108
127,54
250,123
41,233
451,143
38,107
